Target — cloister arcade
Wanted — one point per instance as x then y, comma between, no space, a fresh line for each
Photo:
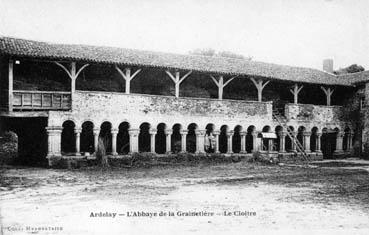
192,138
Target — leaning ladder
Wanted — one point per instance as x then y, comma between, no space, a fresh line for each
283,122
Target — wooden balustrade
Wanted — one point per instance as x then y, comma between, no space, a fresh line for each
41,100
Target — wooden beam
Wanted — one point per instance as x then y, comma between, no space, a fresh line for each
295,92
259,86
177,79
10,84
126,75
220,84
328,92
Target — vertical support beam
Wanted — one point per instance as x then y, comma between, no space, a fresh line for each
339,142
293,145
53,142
114,133
77,132
177,79
243,142
10,85
282,141
307,142
350,138
168,135
229,142
255,142
96,138
259,86
328,92
200,146
295,92
318,142
126,75
153,133
183,140
220,84
216,135
133,140
270,145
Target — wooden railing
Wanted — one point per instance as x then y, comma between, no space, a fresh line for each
41,100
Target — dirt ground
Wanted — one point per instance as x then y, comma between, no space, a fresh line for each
332,198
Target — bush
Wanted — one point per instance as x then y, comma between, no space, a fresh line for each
10,136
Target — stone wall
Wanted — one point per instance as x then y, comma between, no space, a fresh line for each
365,133
137,108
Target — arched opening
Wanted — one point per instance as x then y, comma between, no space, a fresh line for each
300,135
346,139
236,139
265,141
328,142
289,141
313,139
250,139
160,140
191,138
68,138
209,138
123,138
278,132
223,139
144,138
176,139
105,136
87,137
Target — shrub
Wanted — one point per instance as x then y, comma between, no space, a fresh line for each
10,136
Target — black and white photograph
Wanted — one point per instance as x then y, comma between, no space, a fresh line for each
184,117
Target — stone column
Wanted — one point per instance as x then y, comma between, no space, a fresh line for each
294,138
307,142
318,142
200,148
282,140
349,140
53,141
96,138
114,133
77,132
168,135
339,142
216,135
243,142
270,145
133,140
152,132
183,140
255,141
229,142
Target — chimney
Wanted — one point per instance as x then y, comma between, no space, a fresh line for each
328,65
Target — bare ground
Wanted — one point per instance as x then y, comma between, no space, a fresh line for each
333,197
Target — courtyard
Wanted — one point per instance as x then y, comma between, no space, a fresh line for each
248,198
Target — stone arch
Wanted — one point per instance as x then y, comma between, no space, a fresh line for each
105,135
223,144
68,138
236,139
313,139
123,138
87,137
278,132
160,138
176,138
250,139
191,138
144,144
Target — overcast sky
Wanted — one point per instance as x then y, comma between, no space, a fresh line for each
293,32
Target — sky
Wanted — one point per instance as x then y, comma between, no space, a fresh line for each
291,32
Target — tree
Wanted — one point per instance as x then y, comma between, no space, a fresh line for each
212,53
354,68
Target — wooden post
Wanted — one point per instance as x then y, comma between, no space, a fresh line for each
10,85
259,86
126,75
177,80
295,92
328,92
220,84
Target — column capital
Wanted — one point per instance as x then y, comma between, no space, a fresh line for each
54,129
134,132
230,133
153,131
96,131
183,132
216,132
200,132
282,134
340,134
318,134
77,130
168,131
114,131
243,133
307,133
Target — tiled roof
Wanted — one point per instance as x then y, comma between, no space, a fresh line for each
112,55
355,78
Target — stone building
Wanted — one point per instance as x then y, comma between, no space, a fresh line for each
60,99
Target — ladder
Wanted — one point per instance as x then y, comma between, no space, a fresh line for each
283,122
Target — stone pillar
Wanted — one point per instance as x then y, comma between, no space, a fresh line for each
77,132
349,141
168,135
114,133
216,135
183,140
152,132
243,142
133,140
339,142
318,143
96,138
294,138
270,145
53,141
307,142
229,142
200,148
282,141
255,141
